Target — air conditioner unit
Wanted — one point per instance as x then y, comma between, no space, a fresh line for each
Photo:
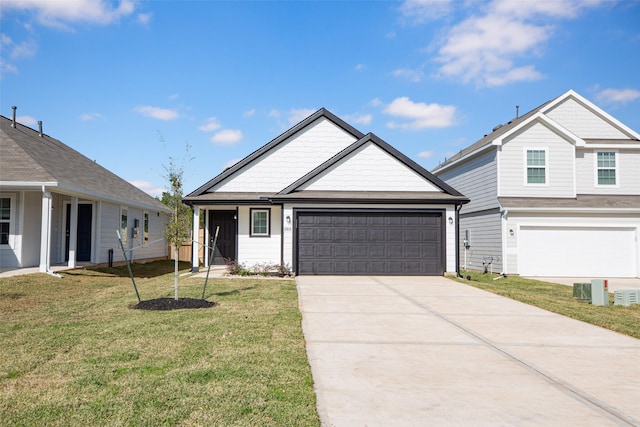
626,297
582,292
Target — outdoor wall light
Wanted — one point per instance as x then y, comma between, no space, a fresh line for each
511,232
450,220
288,219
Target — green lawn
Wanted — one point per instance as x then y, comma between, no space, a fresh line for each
559,299
73,353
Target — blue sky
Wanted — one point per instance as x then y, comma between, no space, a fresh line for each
131,83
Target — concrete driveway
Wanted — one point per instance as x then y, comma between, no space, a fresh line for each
421,351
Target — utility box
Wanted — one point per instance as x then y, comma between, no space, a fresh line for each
582,292
599,292
626,297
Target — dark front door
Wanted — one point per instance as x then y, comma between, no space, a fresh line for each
379,242
226,244
83,238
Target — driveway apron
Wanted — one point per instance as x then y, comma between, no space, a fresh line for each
429,351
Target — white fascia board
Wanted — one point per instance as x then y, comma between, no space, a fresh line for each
539,116
595,109
618,146
576,210
76,191
27,184
462,159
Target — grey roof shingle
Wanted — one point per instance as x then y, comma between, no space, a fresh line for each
27,157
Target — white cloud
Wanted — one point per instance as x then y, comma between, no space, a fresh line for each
25,49
426,154
297,115
611,96
419,11
5,40
26,120
227,137
57,13
360,67
144,18
375,102
87,117
210,125
148,187
156,112
6,68
249,113
411,75
420,115
359,119
174,96
487,47
274,113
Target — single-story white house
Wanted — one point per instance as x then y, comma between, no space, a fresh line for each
324,198
59,207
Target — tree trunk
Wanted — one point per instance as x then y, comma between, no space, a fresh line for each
175,274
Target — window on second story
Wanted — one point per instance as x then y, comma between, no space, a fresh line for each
536,167
606,167
260,222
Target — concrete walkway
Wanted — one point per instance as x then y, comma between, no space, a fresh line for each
421,351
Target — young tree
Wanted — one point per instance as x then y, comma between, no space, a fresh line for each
178,228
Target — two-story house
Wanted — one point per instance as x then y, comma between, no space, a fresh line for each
555,192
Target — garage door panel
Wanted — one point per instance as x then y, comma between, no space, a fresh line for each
370,243
577,251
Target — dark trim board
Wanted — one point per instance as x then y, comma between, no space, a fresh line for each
369,241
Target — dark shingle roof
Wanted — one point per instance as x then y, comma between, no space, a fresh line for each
28,157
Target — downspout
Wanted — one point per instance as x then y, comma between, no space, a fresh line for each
458,208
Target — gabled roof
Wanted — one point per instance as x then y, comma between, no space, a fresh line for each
321,113
30,159
538,113
371,138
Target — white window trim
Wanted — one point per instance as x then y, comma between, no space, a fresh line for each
546,166
251,212
595,168
12,221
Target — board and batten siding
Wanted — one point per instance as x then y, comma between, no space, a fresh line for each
253,250
583,122
290,160
560,164
477,180
485,232
627,163
370,168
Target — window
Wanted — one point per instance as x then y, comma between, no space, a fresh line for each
123,225
536,167
260,222
606,167
5,220
145,228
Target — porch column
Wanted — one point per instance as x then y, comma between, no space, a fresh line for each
195,246
45,232
73,232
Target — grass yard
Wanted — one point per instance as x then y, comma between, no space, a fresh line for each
73,354
559,299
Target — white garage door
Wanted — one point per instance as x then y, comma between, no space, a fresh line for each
577,251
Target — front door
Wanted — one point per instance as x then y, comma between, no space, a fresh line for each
226,244
83,240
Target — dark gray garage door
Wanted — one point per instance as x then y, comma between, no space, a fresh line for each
370,243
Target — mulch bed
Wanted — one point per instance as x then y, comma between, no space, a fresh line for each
172,304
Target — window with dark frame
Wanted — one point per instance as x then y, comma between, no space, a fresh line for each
145,228
5,220
260,222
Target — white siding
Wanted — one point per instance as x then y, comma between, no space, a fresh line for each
583,122
370,169
560,164
628,164
291,160
485,229
477,180
31,229
109,223
259,250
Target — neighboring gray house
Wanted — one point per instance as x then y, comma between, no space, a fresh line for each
324,198
59,207
555,192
